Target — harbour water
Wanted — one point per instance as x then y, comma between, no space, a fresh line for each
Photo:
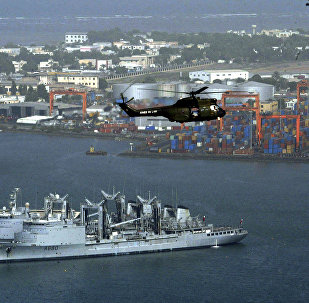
43,29
270,265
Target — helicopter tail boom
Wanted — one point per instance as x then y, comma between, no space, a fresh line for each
132,112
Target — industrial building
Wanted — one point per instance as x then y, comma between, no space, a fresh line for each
27,109
211,75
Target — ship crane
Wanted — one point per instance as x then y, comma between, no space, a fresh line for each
100,210
119,201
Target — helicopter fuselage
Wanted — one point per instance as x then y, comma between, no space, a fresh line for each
184,110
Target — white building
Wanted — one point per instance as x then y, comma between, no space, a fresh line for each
120,43
291,104
137,61
45,65
132,47
91,81
211,75
279,33
72,49
102,45
38,50
18,65
6,99
104,64
10,51
76,38
89,48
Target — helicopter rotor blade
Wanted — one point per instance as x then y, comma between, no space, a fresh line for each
133,82
163,90
192,93
197,92
130,100
213,92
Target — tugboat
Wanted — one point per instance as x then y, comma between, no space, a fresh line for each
93,152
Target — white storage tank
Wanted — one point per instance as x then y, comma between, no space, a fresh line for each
166,90
182,88
266,91
139,91
218,89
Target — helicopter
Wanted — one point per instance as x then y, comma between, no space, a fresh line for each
188,109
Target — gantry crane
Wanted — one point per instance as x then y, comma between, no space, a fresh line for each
302,83
52,94
255,108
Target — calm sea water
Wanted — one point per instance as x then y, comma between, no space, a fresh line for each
41,29
270,265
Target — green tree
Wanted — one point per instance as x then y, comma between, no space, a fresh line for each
22,89
112,35
2,90
42,92
281,104
292,86
240,80
6,65
149,79
256,78
120,70
30,66
102,84
31,95
13,88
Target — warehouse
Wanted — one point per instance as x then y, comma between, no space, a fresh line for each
211,75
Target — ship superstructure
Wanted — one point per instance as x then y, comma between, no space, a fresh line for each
142,225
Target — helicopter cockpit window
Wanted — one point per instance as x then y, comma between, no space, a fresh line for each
214,107
194,112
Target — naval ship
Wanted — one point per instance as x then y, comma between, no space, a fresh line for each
136,226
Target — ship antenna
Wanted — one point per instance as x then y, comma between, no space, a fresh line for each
124,184
176,197
36,197
21,198
109,183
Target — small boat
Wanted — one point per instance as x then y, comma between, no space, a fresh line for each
93,152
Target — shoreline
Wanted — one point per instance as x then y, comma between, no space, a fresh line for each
71,134
162,155
188,156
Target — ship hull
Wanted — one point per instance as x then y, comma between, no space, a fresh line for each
20,252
